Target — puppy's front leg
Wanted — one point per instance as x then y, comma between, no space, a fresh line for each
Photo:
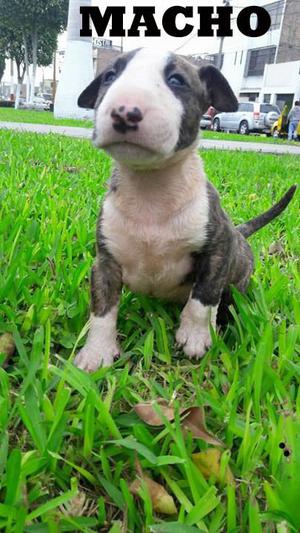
202,307
101,345
194,333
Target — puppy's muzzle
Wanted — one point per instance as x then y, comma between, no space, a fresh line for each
125,119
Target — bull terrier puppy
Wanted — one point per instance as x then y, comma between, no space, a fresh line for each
161,230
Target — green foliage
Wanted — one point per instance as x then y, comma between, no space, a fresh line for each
68,440
25,24
28,15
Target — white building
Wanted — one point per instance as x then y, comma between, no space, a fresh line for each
266,68
281,83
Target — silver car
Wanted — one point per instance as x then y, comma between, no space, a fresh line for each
250,117
205,122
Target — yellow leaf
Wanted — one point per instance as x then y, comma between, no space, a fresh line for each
162,502
7,345
209,463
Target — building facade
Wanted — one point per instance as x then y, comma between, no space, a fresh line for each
251,64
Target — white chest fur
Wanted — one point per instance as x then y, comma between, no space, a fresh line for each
152,242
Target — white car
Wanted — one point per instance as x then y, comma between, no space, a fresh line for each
39,103
250,117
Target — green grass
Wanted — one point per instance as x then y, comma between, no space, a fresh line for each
39,117
66,462
46,117
223,136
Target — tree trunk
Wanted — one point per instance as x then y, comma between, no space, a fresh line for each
12,81
18,91
34,64
19,85
77,70
26,68
2,64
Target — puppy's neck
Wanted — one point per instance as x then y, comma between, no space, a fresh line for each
159,194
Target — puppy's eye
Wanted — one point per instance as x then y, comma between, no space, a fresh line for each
110,76
176,80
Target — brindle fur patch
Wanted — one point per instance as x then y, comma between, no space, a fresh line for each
226,258
106,278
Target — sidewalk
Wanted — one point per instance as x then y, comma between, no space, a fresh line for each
69,131
207,144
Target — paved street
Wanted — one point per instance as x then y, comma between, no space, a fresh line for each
86,133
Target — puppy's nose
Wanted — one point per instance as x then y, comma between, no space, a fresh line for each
125,119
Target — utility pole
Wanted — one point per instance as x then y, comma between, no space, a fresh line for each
219,59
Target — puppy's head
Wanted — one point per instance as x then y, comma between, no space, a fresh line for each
148,105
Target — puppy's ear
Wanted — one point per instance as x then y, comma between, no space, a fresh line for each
89,96
220,94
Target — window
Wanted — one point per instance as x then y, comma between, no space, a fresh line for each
246,107
257,59
285,99
267,98
251,96
275,11
267,108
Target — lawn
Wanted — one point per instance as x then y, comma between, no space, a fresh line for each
71,444
46,117
223,136
39,117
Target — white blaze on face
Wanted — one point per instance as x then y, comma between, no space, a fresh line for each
141,85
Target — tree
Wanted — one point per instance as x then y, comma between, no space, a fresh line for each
31,20
77,70
13,48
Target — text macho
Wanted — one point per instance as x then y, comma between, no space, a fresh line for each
177,21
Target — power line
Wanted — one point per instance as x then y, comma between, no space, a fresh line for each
186,42
219,58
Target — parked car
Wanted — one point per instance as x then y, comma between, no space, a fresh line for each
206,119
250,117
281,126
205,122
39,103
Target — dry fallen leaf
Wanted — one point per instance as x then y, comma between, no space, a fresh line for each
147,413
195,423
209,463
193,419
162,501
7,345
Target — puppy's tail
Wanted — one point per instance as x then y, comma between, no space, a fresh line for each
250,227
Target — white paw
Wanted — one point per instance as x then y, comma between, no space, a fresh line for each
195,340
90,358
